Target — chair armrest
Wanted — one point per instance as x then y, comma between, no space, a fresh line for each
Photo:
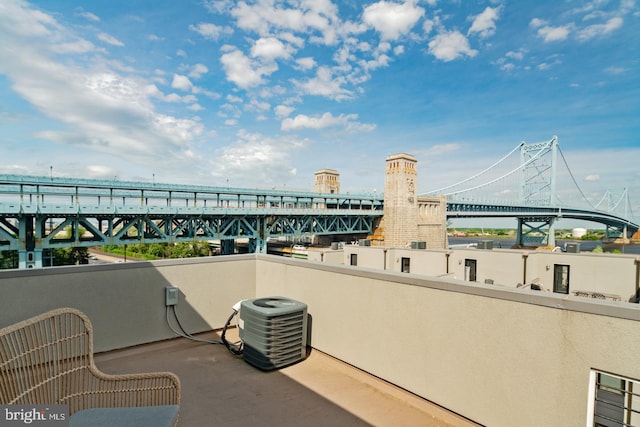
102,390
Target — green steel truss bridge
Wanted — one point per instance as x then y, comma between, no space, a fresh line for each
39,213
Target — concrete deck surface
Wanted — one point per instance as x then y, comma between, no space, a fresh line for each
221,389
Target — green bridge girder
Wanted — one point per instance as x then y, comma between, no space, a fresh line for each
45,231
38,213
87,230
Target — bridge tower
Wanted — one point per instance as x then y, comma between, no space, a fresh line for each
327,181
538,179
538,188
400,200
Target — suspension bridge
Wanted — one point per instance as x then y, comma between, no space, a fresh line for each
530,184
41,213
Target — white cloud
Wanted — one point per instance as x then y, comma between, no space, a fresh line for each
552,34
310,17
210,31
153,91
76,46
428,25
98,105
451,45
615,70
262,158
348,121
292,39
306,63
109,39
326,84
270,49
283,111
181,82
198,70
392,20
88,16
440,149
592,178
242,71
484,24
195,107
101,171
218,6
519,54
537,23
596,30
257,106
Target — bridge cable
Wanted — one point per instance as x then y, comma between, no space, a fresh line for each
574,179
630,208
511,172
606,194
440,190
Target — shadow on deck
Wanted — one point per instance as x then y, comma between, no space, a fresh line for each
220,389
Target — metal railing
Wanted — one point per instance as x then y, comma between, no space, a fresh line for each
616,401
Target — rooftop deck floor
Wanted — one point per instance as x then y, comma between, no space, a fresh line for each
220,389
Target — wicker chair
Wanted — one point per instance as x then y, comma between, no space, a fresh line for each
48,359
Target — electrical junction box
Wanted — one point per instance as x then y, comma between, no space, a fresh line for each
171,295
273,331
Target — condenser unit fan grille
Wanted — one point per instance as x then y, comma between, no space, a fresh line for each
274,332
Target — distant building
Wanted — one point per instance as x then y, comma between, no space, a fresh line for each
578,233
327,181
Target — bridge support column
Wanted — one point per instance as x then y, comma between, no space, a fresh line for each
28,255
526,229
551,234
258,246
227,246
30,259
519,235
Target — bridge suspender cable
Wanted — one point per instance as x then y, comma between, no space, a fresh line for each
440,190
539,154
574,180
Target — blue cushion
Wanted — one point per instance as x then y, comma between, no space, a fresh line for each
143,416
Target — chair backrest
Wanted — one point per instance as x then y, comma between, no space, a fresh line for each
42,359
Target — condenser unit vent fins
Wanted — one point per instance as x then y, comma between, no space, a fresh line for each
274,331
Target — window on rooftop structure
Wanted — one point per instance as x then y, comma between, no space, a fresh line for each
354,259
613,401
406,264
561,278
470,268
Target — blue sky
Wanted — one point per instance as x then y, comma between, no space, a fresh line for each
264,93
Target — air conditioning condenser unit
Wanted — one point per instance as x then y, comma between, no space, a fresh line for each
273,331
